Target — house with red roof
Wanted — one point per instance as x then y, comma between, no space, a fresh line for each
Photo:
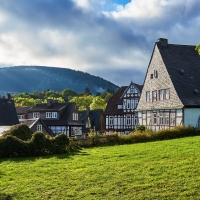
120,114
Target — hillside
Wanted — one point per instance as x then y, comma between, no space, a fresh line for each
38,78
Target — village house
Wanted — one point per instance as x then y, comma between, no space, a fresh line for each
120,114
8,114
93,121
57,117
171,91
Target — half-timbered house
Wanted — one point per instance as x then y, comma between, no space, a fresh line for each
120,113
171,91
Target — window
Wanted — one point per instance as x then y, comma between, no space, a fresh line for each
120,107
111,121
172,119
39,128
135,120
58,129
154,118
167,118
161,93
136,103
75,116
128,120
161,119
128,104
48,114
36,115
151,76
154,96
148,96
54,114
124,104
132,104
155,73
167,94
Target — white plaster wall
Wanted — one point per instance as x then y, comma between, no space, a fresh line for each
191,116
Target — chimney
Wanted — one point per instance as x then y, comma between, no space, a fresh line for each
49,102
88,111
163,42
8,97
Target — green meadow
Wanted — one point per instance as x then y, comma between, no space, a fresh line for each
156,170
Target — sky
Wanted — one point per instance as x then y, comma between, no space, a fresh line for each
112,39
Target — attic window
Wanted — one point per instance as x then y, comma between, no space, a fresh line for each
155,73
182,71
151,76
196,91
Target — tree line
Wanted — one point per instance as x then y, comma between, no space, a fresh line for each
82,100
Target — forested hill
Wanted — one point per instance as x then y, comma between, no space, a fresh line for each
38,78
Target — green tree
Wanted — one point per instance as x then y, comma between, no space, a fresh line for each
98,103
198,48
68,94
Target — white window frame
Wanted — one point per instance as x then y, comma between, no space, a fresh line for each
54,115
128,120
48,114
148,96
167,94
128,104
39,128
161,95
111,121
154,95
36,115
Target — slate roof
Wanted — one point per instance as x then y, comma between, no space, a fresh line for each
114,101
23,109
185,57
65,117
44,108
8,114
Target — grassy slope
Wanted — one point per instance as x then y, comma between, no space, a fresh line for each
157,170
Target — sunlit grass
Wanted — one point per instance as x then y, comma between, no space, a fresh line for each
157,170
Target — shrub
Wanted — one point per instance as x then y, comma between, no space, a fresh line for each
38,144
140,128
11,146
61,143
21,131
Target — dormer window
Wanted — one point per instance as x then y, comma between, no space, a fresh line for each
54,115
48,114
36,115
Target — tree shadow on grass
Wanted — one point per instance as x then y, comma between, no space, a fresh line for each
6,196
32,159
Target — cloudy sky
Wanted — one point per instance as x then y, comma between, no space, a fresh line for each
112,39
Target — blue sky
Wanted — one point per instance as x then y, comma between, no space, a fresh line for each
112,39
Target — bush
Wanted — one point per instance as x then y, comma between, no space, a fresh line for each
38,144
11,146
61,143
21,131
140,128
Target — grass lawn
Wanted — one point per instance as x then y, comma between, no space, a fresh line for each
156,170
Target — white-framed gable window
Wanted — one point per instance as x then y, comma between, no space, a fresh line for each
167,94
148,96
48,114
132,104
36,115
39,128
54,115
154,95
161,94
75,116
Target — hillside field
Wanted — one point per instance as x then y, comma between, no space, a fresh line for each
156,170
